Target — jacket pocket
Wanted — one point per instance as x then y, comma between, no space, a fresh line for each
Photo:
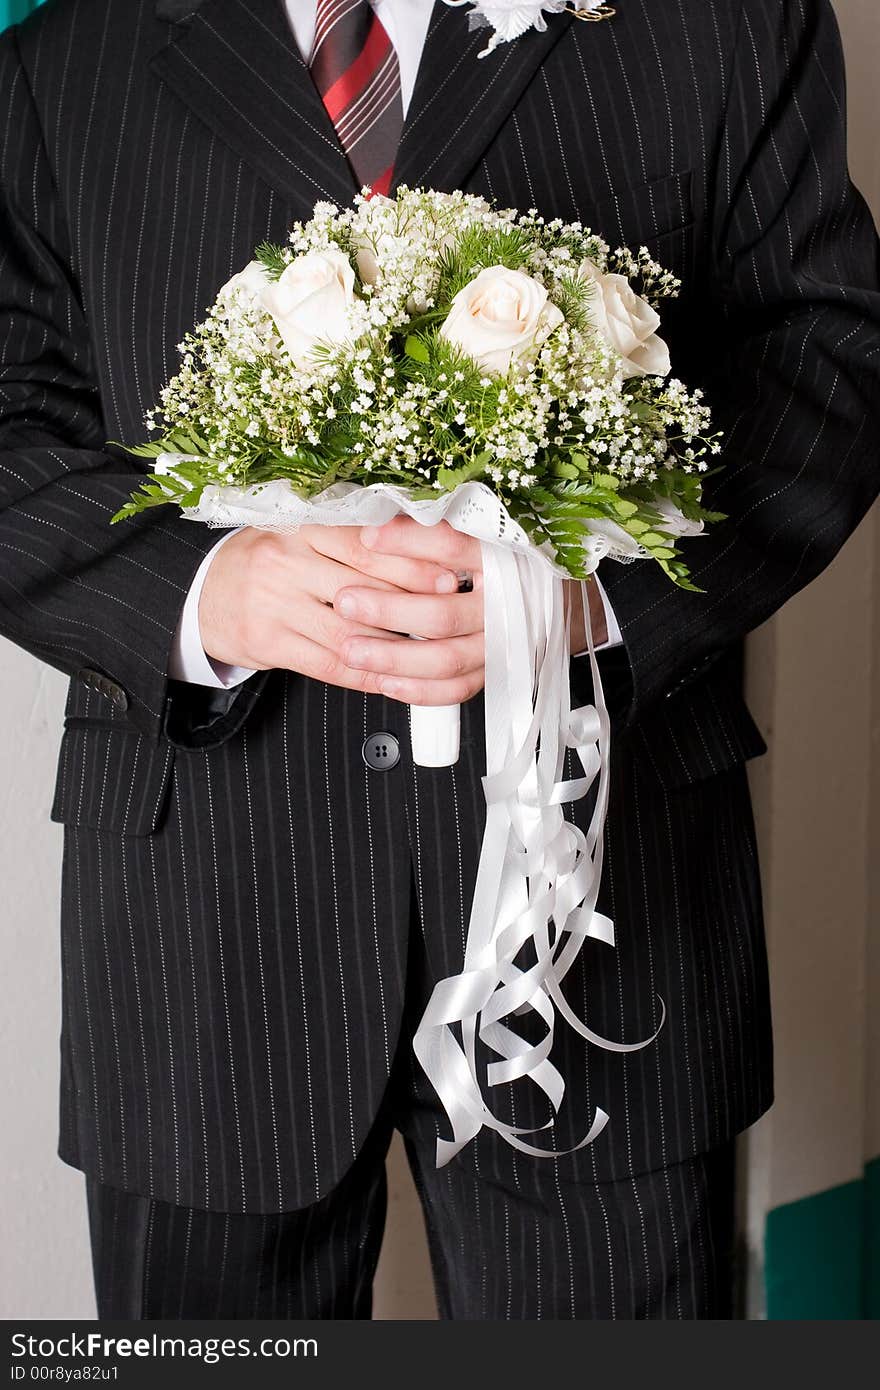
646,212
705,730
110,778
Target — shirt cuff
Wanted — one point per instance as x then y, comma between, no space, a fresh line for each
615,638
189,661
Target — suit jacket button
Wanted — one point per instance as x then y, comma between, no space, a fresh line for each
381,752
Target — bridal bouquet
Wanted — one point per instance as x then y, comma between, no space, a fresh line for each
434,355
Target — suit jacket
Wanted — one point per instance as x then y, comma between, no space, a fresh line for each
253,917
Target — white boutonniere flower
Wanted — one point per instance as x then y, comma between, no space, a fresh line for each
310,303
509,19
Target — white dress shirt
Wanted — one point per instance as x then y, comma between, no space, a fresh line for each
406,23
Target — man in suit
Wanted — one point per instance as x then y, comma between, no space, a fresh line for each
260,888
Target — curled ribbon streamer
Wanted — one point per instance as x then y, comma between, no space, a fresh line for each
535,867
537,870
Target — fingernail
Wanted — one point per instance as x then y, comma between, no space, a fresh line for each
445,584
369,536
347,605
356,653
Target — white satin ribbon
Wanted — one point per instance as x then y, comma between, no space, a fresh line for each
538,875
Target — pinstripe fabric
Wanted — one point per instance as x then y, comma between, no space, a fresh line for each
507,1243
156,1260
237,885
659,1246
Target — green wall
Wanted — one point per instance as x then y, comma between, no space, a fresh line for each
822,1254
13,10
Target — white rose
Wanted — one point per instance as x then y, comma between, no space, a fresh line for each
498,317
249,282
627,323
310,303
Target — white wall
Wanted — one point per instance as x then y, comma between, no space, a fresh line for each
44,1270
814,684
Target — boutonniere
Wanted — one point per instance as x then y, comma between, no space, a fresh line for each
508,19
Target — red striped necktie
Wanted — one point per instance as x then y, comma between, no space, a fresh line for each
355,69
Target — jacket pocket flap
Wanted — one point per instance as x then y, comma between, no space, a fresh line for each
705,731
631,216
110,779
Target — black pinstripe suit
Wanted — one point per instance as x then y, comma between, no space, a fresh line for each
237,927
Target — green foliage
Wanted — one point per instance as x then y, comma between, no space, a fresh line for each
475,250
158,494
273,259
451,478
572,296
417,350
559,513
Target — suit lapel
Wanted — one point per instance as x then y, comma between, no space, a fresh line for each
460,101
236,64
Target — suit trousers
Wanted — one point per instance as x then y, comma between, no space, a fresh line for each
658,1245
510,1236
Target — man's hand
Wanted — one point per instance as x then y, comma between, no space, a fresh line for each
454,661
268,601
340,604
447,669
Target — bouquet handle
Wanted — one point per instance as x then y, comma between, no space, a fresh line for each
435,733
